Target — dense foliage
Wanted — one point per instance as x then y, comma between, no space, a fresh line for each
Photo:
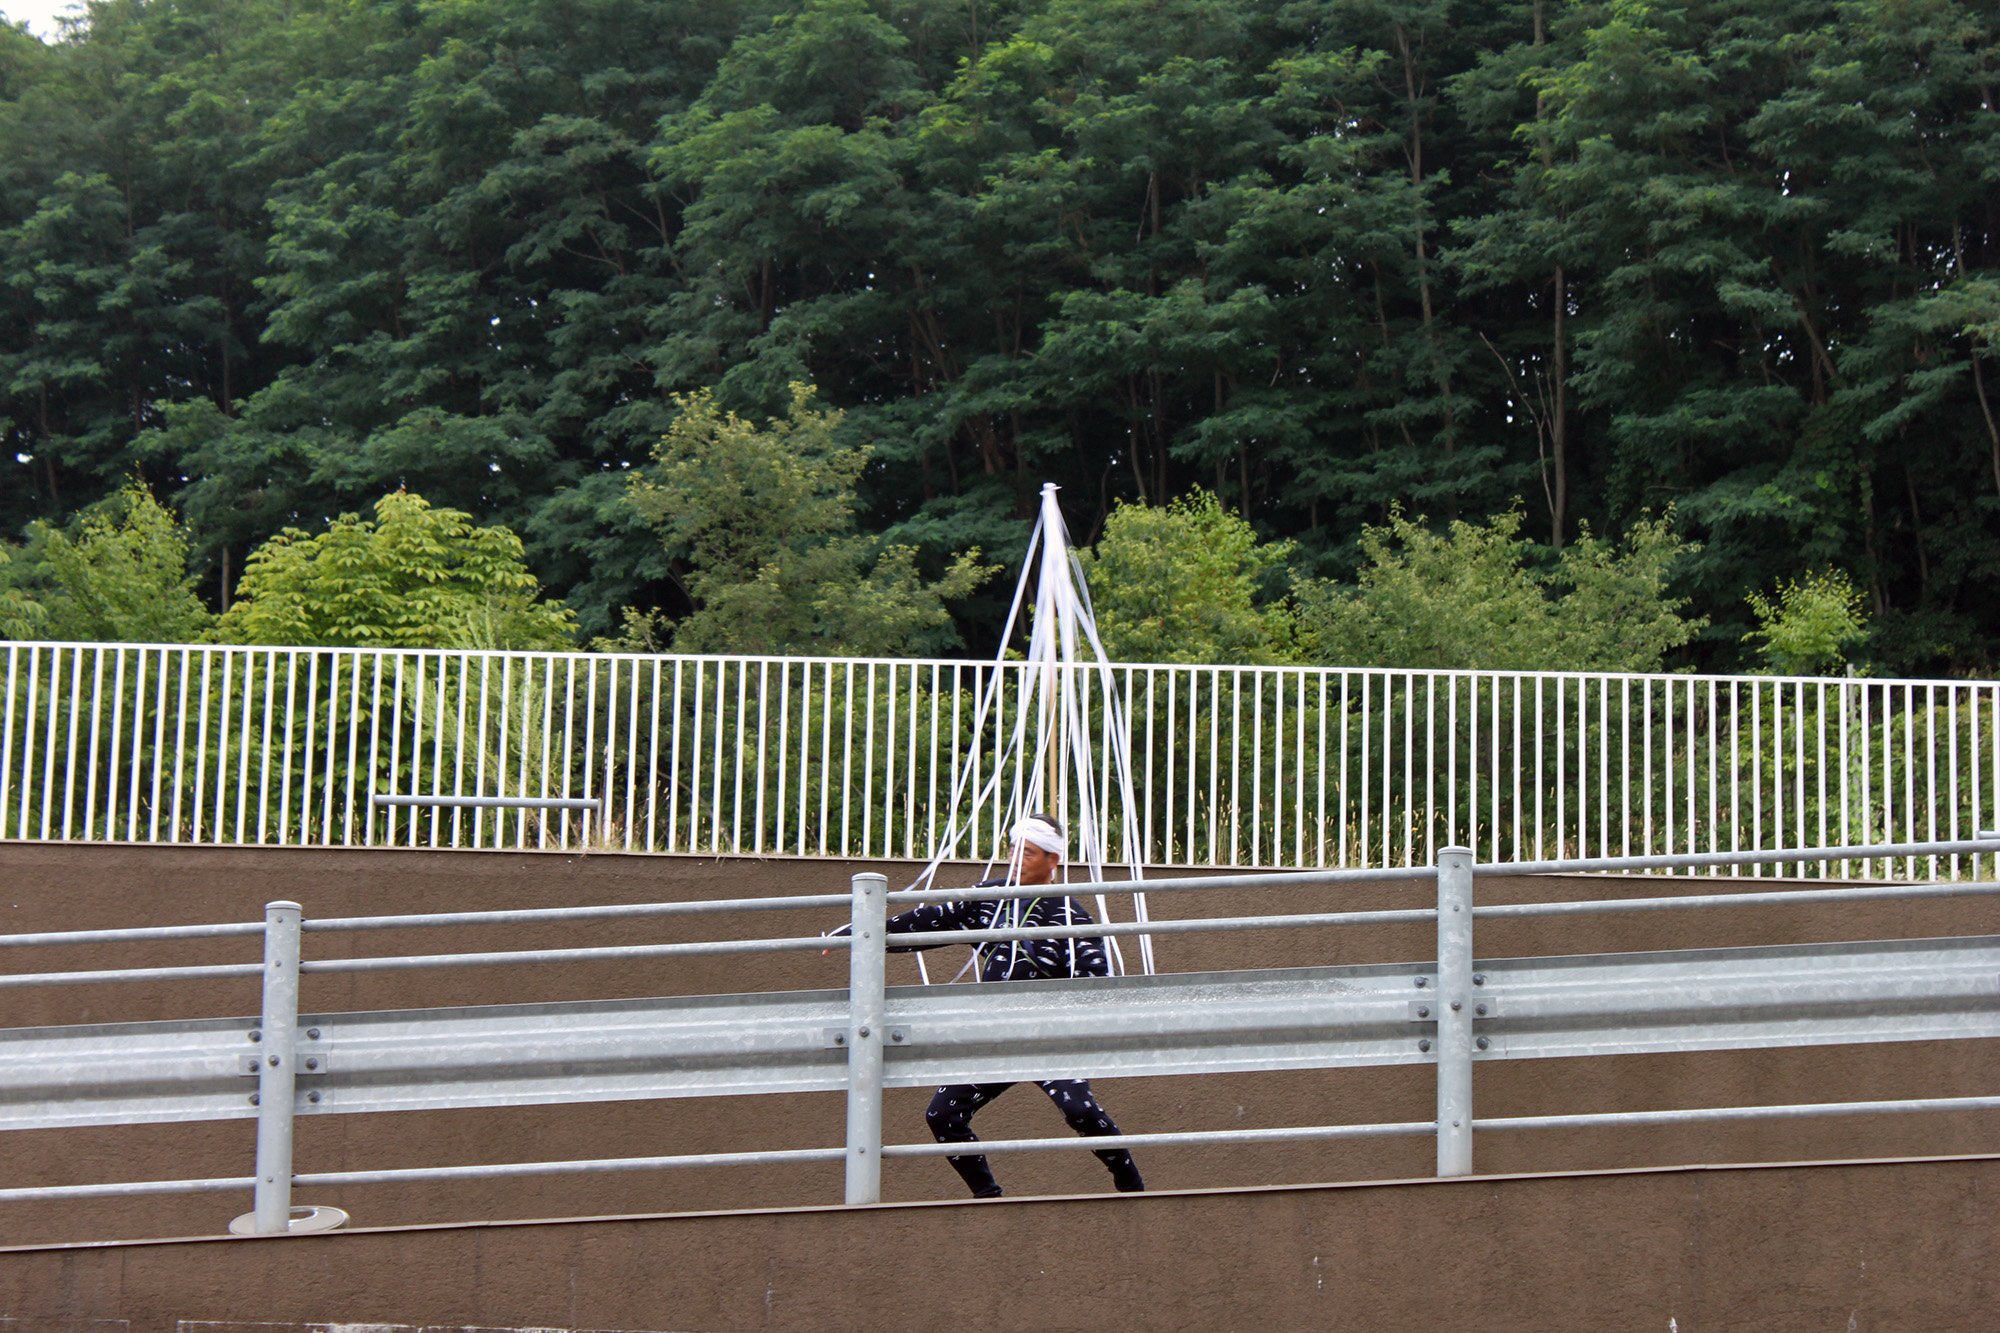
411,577
762,520
1323,258
1187,582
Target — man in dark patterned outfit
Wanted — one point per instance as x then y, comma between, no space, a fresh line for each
1039,847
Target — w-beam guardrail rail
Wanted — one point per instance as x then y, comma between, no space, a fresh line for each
1451,1012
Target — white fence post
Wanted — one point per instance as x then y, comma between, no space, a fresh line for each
866,961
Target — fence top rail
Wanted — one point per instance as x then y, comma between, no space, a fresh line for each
981,664
1888,851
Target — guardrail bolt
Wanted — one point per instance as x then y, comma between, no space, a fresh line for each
1456,1006
256,1034
313,1096
253,1099
1422,982
1479,978
864,1031
895,1034
312,1064
1482,1043
274,1062
1424,1045
313,1033
1479,1009
1423,1011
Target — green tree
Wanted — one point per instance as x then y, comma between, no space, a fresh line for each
1465,599
1187,583
761,521
1809,624
411,577
120,574
21,616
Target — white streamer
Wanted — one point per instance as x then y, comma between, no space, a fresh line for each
1055,684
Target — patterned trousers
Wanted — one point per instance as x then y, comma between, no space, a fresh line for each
950,1119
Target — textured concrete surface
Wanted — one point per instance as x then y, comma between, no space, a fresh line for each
1868,1247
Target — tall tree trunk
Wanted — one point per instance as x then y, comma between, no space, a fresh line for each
1559,352
1559,416
1978,372
1440,374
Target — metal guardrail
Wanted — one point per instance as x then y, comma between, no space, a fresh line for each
1451,1012
1254,767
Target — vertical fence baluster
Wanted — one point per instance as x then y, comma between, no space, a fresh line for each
674,772
7,738
79,719
1451,809
868,784
653,765
88,775
1257,767
823,771
736,789
632,753
479,716
138,758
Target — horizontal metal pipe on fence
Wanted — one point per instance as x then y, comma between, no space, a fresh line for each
119,976
1233,766
601,954
136,934
818,1156
1394,916
1714,860
1860,893
490,802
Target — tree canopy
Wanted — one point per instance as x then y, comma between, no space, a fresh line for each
1188,582
1331,260
411,577
761,518
1466,598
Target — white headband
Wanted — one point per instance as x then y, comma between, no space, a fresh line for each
1041,834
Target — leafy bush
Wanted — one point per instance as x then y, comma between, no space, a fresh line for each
412,577
761,523
1465,599
1186,583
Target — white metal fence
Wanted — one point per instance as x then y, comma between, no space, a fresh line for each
1235,766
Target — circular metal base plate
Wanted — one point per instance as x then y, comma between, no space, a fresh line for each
317,1217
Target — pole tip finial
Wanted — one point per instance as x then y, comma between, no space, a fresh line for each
1050,488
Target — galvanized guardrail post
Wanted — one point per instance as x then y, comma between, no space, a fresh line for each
1454,1013
276,1069
866,968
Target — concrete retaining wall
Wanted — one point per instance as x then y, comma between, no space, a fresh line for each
1867,1248
67,886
